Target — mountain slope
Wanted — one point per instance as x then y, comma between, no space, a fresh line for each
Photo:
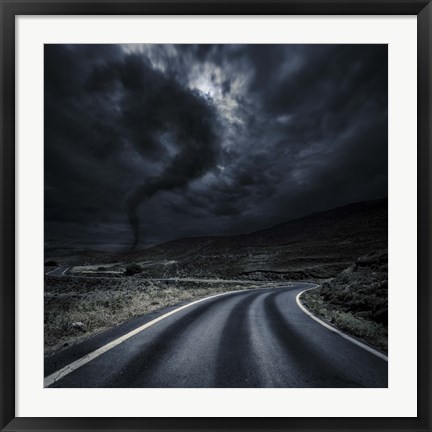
316,246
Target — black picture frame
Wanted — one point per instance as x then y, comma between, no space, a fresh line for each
9,9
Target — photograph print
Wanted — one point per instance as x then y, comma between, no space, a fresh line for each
215,216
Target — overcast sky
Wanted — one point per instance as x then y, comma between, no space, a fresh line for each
147,143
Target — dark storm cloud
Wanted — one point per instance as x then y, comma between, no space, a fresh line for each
156,112
208,139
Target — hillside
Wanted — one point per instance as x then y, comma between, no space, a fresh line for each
317,246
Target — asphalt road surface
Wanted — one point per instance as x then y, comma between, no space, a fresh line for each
59,271
257,338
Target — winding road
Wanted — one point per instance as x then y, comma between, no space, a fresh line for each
256,338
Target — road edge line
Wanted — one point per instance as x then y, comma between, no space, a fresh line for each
337,331
66,370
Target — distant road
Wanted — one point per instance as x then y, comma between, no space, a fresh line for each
59,271
258,338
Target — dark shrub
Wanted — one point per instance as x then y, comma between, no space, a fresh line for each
325,291
133,269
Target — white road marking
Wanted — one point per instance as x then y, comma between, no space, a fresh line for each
66,370
52,270
50,379
340,333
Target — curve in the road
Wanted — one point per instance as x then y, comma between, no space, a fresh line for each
256,338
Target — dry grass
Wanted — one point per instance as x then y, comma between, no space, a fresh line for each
369,331
356,301
106,302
